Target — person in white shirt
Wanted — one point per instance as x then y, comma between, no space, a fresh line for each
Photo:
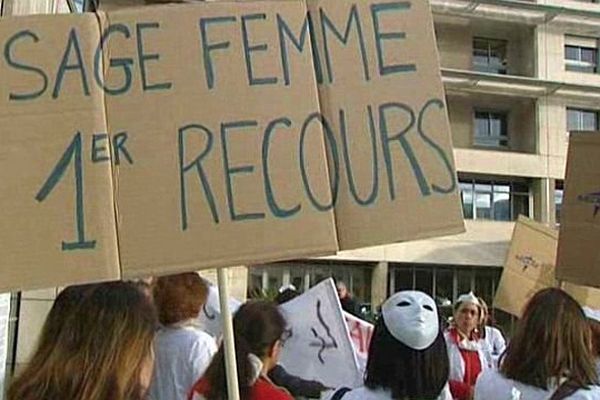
408,359
493,339
549,356
183,351
593,317
466,350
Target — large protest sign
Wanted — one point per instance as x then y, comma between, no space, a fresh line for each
181,137
530,267
317,342
54,229
392,135
579,244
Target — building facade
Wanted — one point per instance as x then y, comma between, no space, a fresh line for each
519,75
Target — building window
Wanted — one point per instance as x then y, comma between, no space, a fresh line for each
582,120
558,200
445,283
494,200
489,55
264,281
491,129
581,54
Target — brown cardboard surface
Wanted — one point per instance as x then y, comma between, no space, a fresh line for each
579,244
34,134
154,235
219,134
400,184
530,267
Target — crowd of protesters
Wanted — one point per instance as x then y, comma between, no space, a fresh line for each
139,341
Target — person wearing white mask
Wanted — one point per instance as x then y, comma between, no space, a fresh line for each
593,317
466,350
408,359
549,356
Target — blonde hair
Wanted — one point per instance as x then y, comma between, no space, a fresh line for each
99,352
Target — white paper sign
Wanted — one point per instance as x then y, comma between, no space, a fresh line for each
318,346
361,333
210,316
4,320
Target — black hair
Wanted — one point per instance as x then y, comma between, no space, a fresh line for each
286,295
408,373
257,326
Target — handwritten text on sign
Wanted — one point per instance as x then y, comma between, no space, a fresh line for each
219,121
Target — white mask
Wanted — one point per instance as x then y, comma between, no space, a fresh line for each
412,318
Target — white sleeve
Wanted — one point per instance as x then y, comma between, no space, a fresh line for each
445,395
201,355
481,387
499,342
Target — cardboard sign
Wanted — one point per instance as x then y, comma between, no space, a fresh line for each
579,244
530,267
318,341
175,138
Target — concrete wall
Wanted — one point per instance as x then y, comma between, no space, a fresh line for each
116,4
552,41
24,7
35,306
484,243
237,277
455,43
521,119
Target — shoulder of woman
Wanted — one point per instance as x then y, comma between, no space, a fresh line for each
266,390
199,389
450,335
592,392
490,380
203,337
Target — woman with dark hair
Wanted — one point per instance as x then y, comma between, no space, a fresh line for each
102,351
258,327
549,356
466,350
408,359
63,307
183,351
593,317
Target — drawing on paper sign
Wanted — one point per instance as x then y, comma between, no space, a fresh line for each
530,262
323,342
287,334
593,198
208,315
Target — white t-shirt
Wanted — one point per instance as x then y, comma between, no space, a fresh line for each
495,340
182,355
492,385
364,393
